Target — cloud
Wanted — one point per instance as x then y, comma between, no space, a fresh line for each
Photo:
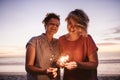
114,38
117,38
112,31
109,43
112,34
116,29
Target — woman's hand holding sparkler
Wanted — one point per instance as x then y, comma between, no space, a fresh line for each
52,72
70,65
62,61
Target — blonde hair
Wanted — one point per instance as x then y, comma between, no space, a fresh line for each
81,18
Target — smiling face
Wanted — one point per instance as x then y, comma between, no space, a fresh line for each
73,27
52,26
77,22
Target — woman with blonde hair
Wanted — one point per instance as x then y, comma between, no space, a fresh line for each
80,47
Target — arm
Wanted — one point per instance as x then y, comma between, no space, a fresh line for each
29,64
91,64
92,56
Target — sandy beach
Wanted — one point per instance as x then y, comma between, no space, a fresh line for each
22,76
12,76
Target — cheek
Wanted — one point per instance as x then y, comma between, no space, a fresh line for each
57,29
80,30
68,28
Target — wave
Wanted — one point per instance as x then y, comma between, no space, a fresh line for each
12,63
109,61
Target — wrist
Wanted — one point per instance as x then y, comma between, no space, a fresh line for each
45,71
78,65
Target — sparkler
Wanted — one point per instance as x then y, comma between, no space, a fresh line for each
63,60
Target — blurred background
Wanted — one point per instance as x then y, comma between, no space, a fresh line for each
22,19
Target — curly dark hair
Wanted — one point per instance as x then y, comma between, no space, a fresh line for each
49,16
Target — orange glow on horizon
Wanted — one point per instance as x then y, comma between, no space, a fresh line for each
108,48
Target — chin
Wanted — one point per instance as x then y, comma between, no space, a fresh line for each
53,33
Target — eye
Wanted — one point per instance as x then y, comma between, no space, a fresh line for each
52,24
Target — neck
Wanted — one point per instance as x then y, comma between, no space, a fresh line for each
73,37
49,37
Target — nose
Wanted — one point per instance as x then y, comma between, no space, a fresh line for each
72,26
55,25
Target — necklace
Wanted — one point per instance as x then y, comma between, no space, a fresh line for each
52,51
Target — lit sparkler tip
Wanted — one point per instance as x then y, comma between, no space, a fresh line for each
64,59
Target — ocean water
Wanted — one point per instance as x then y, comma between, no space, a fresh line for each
109,64
12,64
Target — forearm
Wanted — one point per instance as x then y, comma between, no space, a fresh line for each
35,70
87,65
92,62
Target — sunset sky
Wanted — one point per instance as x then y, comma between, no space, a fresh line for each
22,19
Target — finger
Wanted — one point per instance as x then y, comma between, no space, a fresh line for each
54,74
49,70
54,69
70,66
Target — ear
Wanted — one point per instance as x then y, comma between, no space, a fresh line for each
45,27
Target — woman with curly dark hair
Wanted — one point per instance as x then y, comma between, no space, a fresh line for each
42,50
